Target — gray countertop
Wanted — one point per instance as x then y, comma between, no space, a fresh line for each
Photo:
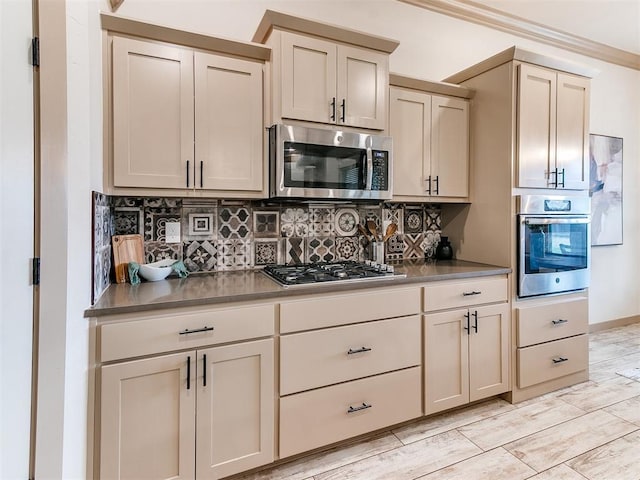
224,287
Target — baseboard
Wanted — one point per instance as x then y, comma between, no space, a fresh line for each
619,322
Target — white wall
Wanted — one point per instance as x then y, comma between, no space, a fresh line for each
16,237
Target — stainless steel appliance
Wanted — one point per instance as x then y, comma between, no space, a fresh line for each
317,163
347,271
554,250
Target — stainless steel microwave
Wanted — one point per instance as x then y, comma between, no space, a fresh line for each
315,163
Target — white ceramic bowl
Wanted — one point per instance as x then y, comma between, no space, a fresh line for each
157,270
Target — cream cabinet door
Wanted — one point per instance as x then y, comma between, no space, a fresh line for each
235,414
153,124
362,87
308,78
573,131
147,419
536,127
229,123
410,127
488,351
446,360
449,147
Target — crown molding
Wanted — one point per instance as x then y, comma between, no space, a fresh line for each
492,18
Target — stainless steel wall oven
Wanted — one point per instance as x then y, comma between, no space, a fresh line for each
554,247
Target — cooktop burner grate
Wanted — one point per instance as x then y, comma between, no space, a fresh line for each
292,275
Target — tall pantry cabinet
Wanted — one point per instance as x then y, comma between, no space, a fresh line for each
530,128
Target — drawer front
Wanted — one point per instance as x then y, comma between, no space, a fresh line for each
312,419
323,357
342,309
464,293
543,323
165,333
552,360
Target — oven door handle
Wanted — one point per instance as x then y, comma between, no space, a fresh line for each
369,169
556,220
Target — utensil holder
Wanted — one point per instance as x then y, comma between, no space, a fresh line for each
377,252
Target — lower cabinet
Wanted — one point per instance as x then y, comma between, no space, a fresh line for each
205,413
466,355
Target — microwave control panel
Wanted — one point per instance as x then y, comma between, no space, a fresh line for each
380,177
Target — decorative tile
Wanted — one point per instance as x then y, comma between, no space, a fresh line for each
320,249
413,220
432,220
348,248
155,222
266,224
395,244
393,214
234,223
127,202
393,257
101,272
234,254
413,246
156,251
371,213
100,199
162,202
429,243
321,221
293,249
294,222
346,222
199,223
128,220
200,255
266,252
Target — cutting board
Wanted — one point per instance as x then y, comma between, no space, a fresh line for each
126,248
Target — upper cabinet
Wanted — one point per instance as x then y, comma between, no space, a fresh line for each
185,120
429,123
553,128
326,74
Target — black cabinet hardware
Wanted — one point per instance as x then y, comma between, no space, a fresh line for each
559,359
189,372
186,331
559,321
364,406
359,350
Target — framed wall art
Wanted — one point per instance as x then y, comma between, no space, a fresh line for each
605,189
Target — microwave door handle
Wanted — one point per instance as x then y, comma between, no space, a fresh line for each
369,169
560,220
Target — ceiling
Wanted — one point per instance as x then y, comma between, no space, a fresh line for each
612,22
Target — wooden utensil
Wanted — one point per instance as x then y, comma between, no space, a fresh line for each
126,249
364,232
371,225
391,229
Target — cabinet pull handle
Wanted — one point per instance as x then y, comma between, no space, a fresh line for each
559,359
344,109
201,170
555,178
475,321
359,350
429,185
466,316
189,372
559,321
186,331
561,173
437,180
333,109
364,406
204,370
187,173
473,292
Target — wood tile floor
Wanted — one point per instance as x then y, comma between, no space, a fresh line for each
588,431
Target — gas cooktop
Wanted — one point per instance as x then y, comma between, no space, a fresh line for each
347,271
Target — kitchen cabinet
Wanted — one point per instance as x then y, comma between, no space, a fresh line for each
553,129
466,350
431,142
207,412
325,74
186,120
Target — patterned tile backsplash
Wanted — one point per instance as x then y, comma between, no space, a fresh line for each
219,235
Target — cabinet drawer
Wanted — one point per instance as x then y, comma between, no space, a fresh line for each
551,360
334,310
463,293
320,417
543,323
322,357
165,333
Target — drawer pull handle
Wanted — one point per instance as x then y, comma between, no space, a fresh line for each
559,321
359,350
186,331
466,294
364,406
559,359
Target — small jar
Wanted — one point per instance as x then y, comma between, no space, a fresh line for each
444,250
